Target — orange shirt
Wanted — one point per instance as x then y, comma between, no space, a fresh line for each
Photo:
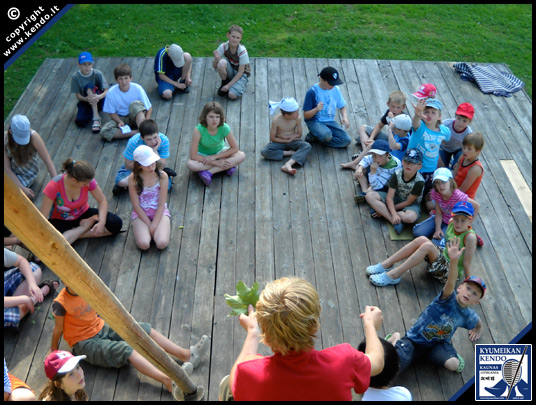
81,321
462,174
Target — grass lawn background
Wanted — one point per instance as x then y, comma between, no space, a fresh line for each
500,33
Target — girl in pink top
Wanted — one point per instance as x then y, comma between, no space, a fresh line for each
445,194
148,188
66,204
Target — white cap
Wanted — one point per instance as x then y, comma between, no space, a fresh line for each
20,129
145,155
403,121
176,54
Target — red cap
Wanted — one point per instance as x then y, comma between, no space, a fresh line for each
60,361
466,109
426,90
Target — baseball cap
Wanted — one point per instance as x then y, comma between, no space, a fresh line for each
330,75
380,147
434,103
85,57
145,155
466,109
176,54
426,90
413,155
20,129
477,280
403,121
442,174
463,207
61,361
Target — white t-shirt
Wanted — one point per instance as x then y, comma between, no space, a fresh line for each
117,101
389,394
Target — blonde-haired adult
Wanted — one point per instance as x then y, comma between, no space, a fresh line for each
288,313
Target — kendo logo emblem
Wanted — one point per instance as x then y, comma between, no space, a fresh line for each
503,372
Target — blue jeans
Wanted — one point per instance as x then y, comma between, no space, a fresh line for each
329,133
427,228
450,158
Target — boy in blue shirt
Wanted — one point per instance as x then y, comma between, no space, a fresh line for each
321,103
172,71
433,330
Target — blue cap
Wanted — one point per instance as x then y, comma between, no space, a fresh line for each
434,103
85,57
477,280
380,147
464,208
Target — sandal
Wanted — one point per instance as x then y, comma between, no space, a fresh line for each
230,172
199,350
462,364
206,177
382,280
377,269
96,125
50,284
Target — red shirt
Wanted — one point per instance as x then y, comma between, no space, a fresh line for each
462,174
325,375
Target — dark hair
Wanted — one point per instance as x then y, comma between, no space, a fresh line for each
80,170
212,106
52,392
148,127
122,70
390,367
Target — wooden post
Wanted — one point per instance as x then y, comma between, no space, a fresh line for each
26,222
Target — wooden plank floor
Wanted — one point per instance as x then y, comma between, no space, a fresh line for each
262,224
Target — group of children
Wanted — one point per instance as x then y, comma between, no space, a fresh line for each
418,161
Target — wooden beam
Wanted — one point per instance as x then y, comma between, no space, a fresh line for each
520,185
28,224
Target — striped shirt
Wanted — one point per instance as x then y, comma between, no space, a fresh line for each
383,173
27,172
446,206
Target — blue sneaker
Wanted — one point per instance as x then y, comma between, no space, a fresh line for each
399,228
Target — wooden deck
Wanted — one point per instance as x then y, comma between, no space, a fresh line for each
262,224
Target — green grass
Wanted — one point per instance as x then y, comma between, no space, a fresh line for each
499,33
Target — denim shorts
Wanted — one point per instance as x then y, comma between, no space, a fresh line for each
409,352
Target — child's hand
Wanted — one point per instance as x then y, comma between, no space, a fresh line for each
396,219
474,334
438,235
216,54
320,106
419,108
374,315
373,167
454,251
249,322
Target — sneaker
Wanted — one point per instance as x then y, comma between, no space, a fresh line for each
170,172
310,138
205,176
118,189
479,241
220,92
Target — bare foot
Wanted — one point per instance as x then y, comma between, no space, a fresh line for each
89,222
289,170
349,165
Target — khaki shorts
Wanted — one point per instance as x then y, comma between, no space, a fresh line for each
109,129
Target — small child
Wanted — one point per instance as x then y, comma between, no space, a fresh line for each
380,388
231,61
65,378
402,202
426,90
398,135
431,334
381,165
319,108
128,106
285,136
15,389
208,152
469,171
172,71
90,88
445,194
396,104
450,151
147,186
428,133
89,335
438,259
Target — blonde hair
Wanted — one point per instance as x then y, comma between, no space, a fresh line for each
288,313
397,97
